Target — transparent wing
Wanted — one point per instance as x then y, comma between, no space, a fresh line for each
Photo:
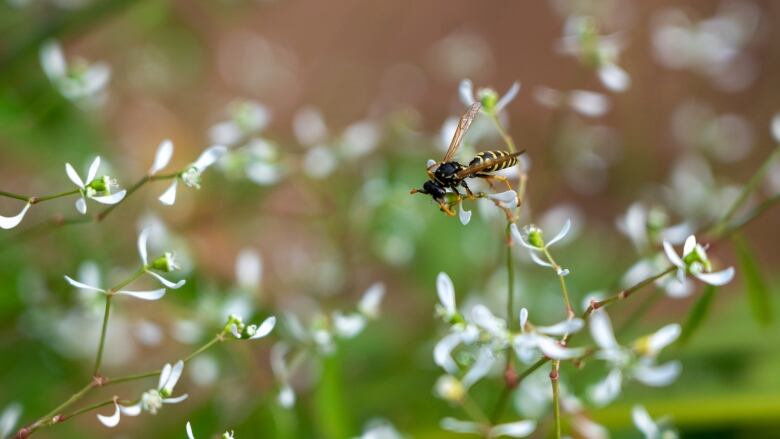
463,127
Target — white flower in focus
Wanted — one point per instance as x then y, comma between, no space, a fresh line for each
153,400
9,417
79,81
586,103
165,263
9,222
534,340
245,118
489,98
103,189
532,238
250,332
191,175
512,429
582,40
694,261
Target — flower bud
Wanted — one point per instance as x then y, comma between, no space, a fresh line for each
488,98
234,320
191,177
151,401
535,236
450,389
697,260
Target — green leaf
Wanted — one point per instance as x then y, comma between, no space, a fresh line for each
698,313
755,287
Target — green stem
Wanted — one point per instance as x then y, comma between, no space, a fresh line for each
751,185
510,270
473,410
100,216
99,356
35,200
16,196
556,398
564,289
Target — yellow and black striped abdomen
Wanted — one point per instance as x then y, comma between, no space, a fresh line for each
496,160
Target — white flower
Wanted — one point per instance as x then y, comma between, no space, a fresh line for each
489,98
532,238
112,420
9,222
165,263
251,332
162,157
191,175
348,326
245,118
102,190
512,429
651,266
8,418
78,81
694,261
153,400
260,160
586,103
534,339
637,361
372,298
581,39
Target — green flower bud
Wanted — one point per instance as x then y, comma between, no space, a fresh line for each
234,320
165,263
535,236
488,98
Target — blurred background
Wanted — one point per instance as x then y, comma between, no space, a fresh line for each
330,110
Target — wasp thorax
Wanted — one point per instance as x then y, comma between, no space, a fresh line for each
433,189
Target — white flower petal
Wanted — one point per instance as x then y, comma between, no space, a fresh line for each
81,206
589,103
658,376
175,400
607,390
601,330
234,331
644,422
169,196
717,278
93,169
286,397
689,246
348,326
131,410
189,431
562,234
672,255
173,377
508,97
209,157
73,175
463,214
83,286
480,368
162,157
458,426
508,198
225,133
446,292
564,327
9,222
664,337
614,78
53,60
144,295
113,420
538,260
372,298
514,429
165,374
551,348
111,199
265,328
484,318
466,92
166,282
523,318
143,237
442,353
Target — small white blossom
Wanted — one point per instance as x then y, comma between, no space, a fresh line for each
144,295
191,175
9,222
112,420
582,40
489,98
694,261
446,292
532,238
153,399
165,263
103,190
77,82
534,340
250,332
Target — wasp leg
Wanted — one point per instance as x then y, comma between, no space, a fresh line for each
444,207
490,178
469,194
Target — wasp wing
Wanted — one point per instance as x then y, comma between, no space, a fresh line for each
487,164
463,126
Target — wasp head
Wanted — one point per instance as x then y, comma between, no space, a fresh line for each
433,189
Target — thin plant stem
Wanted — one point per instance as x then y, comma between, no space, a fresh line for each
510,270
556,397
103,330
564,289
35,200
473,410
13,195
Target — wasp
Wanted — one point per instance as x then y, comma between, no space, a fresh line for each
448,174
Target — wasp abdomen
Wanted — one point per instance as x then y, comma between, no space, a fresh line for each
486,156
